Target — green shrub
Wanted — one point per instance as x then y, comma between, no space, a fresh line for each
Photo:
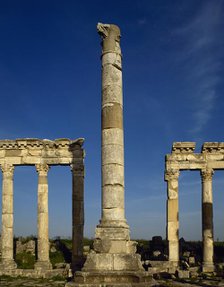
25,260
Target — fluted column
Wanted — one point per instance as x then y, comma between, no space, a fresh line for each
207,220
77,169
171,177
43,261
7,217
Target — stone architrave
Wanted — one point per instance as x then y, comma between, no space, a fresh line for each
113,259
77,169
207,220
171,176
7,217
43,262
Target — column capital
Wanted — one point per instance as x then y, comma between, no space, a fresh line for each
172,174
206,174
42,168
7,169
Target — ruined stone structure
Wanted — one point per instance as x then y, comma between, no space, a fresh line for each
184,158
42,154
113,259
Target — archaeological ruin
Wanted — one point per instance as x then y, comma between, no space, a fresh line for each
113,261
183,158
42,154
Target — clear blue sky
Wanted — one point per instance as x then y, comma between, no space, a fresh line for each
50,87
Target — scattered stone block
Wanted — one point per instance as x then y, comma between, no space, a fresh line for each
181,274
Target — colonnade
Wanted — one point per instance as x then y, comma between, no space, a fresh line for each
43,262
183,158
207,218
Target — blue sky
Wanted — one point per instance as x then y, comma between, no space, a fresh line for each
50,87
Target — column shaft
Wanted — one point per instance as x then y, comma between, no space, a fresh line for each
7,217
112,130
171,177
207,220
77,213
43,261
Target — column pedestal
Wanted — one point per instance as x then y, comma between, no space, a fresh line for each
8,262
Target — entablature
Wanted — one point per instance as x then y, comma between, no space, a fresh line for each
183,157
31,151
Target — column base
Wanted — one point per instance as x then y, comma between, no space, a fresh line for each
111,279
43,265
8,264
103,262
208,267
77,263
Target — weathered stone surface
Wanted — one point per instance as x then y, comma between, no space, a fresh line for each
184,158
113,260
42,154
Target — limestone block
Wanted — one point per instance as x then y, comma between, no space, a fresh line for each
13,153
111,58
113,174
112,116
112,94
115,213
99,262
118,231
7,220
183,274
43,224
113,153
191,260
7,204
173,230
113,196
127,262
2,153
112,136
172,210
111,76
173,250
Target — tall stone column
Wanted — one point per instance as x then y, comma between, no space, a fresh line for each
7,217
77,169
207,220
114,251
43,262
112,156
113,259
171,177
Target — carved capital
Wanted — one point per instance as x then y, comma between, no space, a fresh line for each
172,174
42,168
206,174
7,169
110,35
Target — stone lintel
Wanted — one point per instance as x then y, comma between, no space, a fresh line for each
183,147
